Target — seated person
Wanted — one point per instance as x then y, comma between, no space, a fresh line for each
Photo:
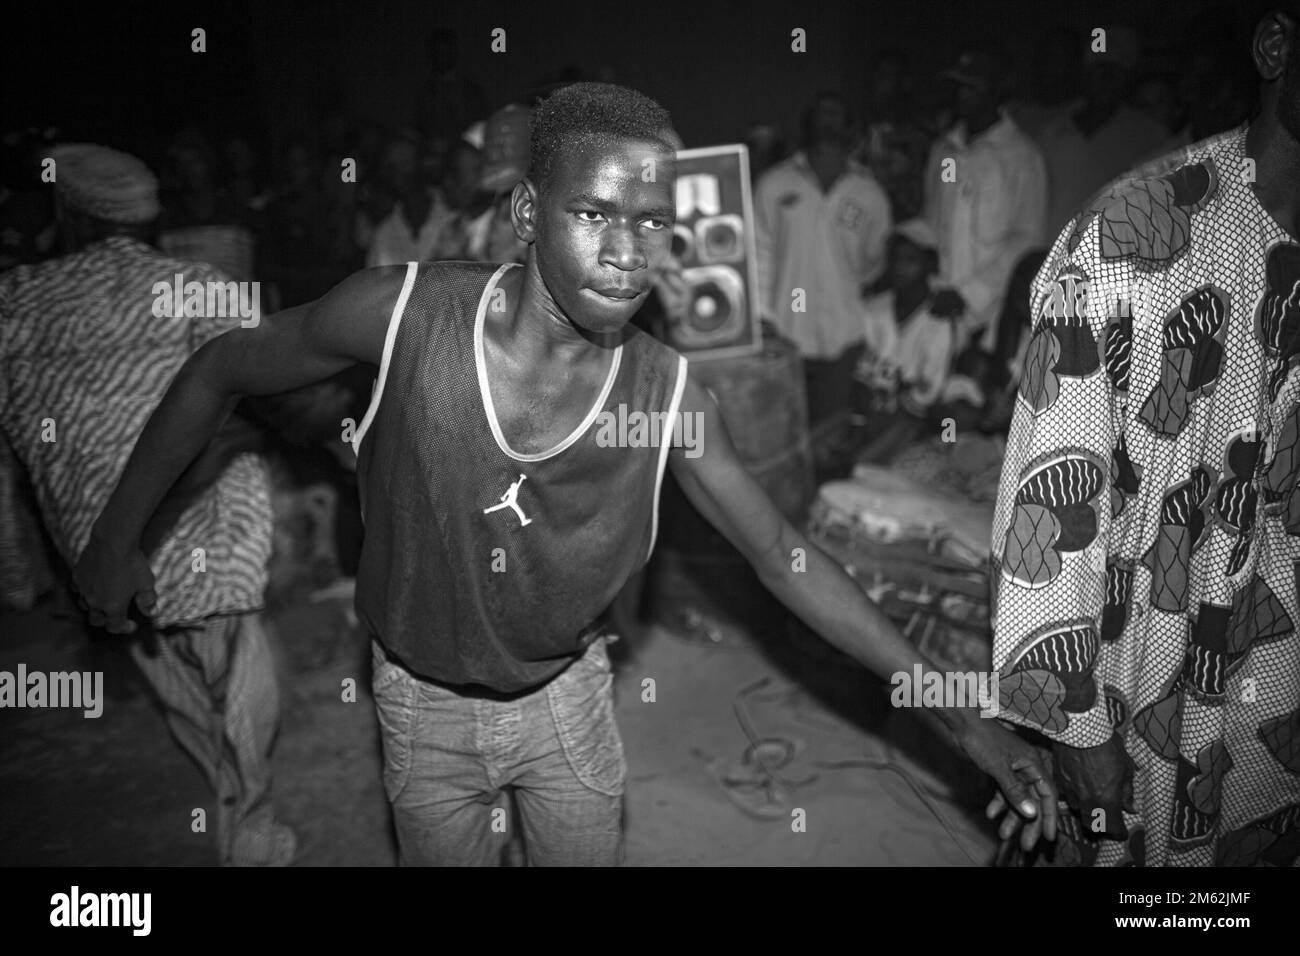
908,351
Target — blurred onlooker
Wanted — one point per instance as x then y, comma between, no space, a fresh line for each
27,227
505,160
463,202
985,191
242,176
191,194
1015,324
1091,140
909,350
822,222
895,142
339,197
452,101
766,148
997,384
201,220
301,250
412,230
889,89
1156,95
1050,81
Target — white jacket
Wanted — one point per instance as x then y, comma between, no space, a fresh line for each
827,244
988,218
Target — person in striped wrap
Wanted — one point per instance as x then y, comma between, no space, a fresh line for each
85,361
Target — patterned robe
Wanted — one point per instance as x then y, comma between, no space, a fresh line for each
1146,543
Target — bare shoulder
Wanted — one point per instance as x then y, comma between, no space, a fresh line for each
352,318
714,449
695,397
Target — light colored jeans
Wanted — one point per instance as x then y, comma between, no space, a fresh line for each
448,757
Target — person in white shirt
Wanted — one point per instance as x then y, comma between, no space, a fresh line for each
909,350
985,196
822,222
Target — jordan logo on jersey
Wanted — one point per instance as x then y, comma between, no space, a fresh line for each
508,500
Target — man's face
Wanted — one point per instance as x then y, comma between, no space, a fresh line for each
971,101
604,227
400,164
829,122
907,262
1105,81
886,79
462,179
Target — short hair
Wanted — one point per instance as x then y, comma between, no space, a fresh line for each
600,112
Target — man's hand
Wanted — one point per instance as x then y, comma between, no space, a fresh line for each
812,585
1019,771
947,303
107,580
674,294
1097,778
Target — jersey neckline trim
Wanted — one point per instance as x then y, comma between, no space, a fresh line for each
485,391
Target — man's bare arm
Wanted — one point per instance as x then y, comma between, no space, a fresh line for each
831,603
822,595
290,349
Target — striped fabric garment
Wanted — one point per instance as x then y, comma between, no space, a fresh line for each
85,362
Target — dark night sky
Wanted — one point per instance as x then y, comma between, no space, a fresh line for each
124,70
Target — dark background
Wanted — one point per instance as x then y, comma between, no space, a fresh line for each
123,74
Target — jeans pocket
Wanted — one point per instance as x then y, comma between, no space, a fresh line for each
396,703
582,706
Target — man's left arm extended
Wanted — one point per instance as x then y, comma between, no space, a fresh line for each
831,603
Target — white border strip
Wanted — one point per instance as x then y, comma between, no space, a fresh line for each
389,339
664,448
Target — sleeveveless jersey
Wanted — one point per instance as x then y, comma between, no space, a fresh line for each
482,565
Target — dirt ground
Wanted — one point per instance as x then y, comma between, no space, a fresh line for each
834,781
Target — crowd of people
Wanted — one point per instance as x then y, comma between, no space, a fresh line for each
914,233
897,247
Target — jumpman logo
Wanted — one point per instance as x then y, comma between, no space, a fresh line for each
508,501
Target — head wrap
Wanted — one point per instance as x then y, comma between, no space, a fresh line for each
104,183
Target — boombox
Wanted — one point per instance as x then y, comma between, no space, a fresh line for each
714,239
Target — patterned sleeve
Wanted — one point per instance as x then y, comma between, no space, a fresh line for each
1053,517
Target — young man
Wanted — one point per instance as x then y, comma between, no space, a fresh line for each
498,524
